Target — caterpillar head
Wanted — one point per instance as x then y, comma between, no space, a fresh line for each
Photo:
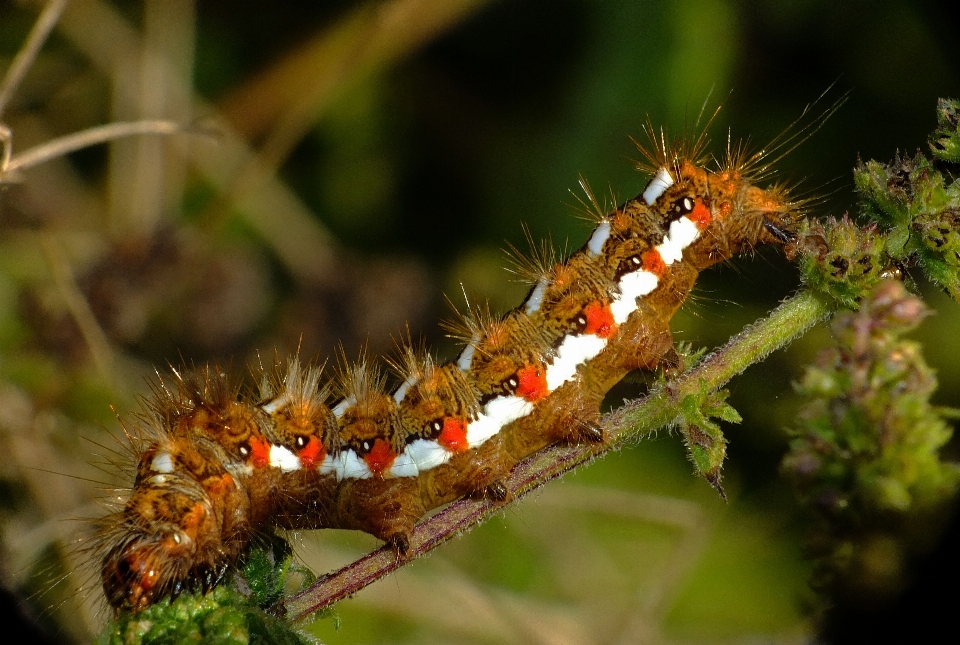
176,532
726,213
731,213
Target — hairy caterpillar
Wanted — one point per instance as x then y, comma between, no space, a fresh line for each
215,469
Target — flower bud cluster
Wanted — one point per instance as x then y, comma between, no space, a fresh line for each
840,259
917,206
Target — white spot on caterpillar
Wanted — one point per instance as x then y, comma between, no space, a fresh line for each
351,466
573,352
275,404
162,463
158,480
239,470
660,182
284,459
329,466
598,239
481,429
466,357
497,414
536,296
632,286
402,390
427,454
403,466
682,234
341,407
508,408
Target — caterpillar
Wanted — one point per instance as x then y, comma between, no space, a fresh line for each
214,468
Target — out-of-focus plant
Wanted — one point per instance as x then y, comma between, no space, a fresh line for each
865,454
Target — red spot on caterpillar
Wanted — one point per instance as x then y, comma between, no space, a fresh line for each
312,454
220,485
193,519
260,449
653,262
131,577
453,436
533,383
701,215
149,579
380,457
147,576
599,320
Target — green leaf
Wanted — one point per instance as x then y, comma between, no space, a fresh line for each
702,436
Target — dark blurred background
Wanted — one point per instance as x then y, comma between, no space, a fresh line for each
371,157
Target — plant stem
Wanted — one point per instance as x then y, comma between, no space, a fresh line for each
90,137
28,53
661,407
637,419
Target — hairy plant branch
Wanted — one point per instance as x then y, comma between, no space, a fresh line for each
640,418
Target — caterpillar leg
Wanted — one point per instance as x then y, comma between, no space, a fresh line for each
479,472
580,422
649,346
570,415
590,431
671,363
498,491
386,508
306,502
486,469
400,543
